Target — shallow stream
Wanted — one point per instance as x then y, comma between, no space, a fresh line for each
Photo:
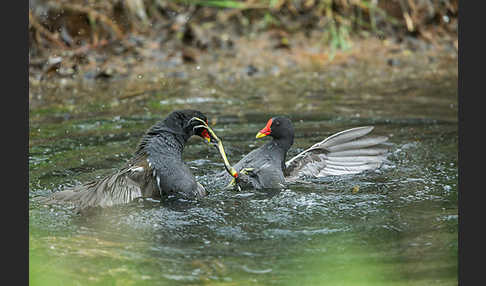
394,226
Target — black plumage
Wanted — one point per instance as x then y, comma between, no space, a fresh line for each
156,170
347,152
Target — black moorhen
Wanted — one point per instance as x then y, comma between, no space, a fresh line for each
346,152
156,169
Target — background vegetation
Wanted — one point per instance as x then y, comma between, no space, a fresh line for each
77,28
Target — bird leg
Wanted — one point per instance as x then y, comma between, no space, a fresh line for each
227,165
235,180
220,147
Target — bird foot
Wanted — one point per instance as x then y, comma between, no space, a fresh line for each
247,170
234,182
219,144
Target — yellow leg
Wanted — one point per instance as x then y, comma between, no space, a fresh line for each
227,165
233,181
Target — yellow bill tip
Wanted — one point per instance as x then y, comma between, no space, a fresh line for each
260,135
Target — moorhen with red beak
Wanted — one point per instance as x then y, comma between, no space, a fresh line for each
346,152
156,170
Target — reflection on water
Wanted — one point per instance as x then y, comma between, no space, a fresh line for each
399,228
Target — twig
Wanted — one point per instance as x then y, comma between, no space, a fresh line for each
406,16
95,14
87,47
52,37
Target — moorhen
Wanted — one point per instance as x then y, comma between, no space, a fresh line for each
156,169
346,152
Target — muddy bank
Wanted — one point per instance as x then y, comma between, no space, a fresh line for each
88,59
218,74
113,40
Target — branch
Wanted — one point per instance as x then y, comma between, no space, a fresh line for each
52,37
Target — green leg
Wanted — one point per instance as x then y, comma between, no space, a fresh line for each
233,181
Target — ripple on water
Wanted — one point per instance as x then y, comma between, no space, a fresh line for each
257,232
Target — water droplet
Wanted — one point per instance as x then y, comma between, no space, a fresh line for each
139,76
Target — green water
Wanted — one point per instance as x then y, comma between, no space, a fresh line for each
399,228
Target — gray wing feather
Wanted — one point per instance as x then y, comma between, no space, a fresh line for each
362,152
357,144
346,152
115,189
343,136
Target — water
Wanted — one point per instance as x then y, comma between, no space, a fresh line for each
394,226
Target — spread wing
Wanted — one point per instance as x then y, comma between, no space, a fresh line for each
346,152
118,188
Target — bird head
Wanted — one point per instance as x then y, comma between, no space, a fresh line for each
279,128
